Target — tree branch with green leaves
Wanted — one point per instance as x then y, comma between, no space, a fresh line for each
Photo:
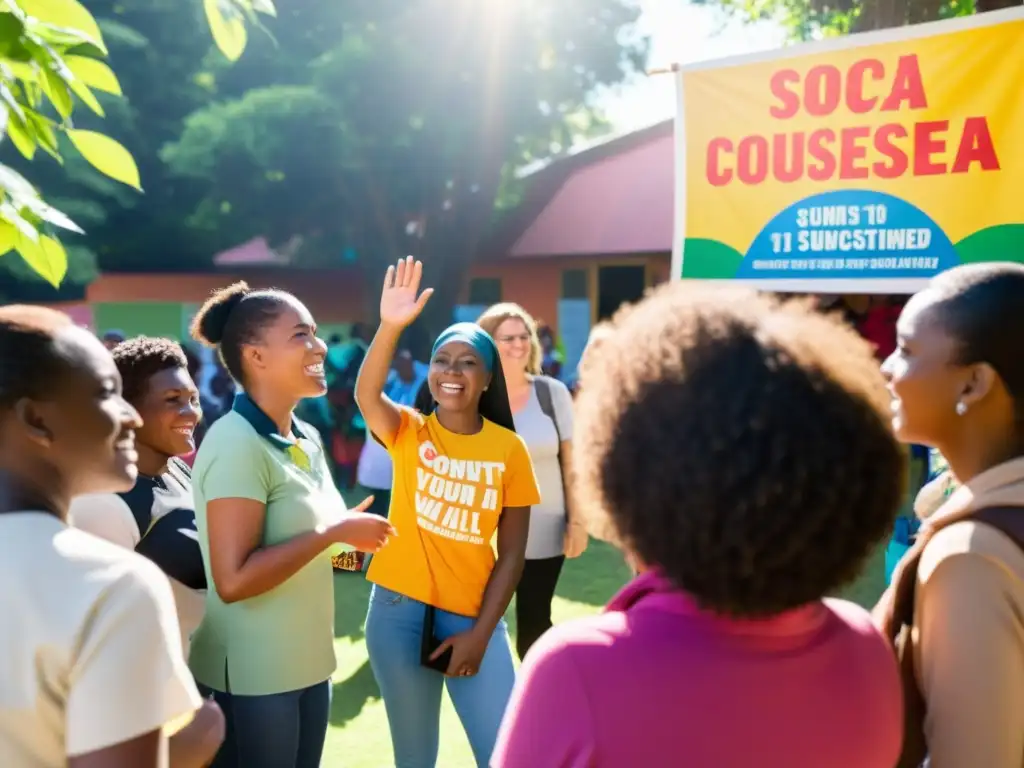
51,60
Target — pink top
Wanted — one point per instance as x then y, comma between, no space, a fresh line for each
655,681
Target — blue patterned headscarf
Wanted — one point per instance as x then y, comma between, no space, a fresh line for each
473,335
494,405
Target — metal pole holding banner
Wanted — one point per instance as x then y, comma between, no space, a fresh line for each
679,161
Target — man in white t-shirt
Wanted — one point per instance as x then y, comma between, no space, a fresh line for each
91,669
91,664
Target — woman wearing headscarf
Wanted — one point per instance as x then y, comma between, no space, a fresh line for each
461,475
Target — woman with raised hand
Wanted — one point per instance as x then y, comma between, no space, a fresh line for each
956,604
92,673
268,514
739,450
461,474
542,409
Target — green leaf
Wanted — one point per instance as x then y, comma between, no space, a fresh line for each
16,185
24,197
46,257
57,92
11,28
21,137
10,214
8,237
82,91
66,13
94,73
45,135
22,70
8,98
106,156
46,212
65,37
227,27
51,215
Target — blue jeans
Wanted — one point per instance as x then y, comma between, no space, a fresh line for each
412,692
278,730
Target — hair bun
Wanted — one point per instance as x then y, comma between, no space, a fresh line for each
212,318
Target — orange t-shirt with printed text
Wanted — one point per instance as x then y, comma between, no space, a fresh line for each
447,494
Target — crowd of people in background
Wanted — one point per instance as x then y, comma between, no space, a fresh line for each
175,606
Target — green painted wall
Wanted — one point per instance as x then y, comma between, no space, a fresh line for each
150,318
170,319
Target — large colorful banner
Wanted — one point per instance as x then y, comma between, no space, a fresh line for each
862,164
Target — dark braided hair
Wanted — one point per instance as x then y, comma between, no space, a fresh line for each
235,316
740,444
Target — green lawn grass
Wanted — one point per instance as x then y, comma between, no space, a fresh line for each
358,735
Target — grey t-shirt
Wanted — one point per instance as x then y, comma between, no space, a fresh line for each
547,519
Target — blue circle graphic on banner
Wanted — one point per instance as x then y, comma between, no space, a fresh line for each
849,234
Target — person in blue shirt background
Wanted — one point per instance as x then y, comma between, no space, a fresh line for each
929,495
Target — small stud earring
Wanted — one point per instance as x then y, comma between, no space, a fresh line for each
961,408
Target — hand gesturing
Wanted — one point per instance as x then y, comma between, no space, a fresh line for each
399,303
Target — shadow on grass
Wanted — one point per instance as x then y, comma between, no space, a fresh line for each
352,694
594,577
351,596
868,587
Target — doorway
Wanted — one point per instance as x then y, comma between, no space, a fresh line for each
617,285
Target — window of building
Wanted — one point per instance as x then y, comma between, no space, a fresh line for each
575,284
484,291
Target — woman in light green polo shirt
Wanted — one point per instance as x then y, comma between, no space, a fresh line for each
268,513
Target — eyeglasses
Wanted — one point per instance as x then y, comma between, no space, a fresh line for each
523,337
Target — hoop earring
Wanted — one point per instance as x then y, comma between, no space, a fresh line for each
961,408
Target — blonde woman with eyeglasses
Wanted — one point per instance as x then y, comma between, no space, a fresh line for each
542,410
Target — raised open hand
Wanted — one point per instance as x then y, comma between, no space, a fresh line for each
399,302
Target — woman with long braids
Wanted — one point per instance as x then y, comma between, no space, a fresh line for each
461,474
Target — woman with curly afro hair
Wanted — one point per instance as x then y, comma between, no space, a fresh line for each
739,450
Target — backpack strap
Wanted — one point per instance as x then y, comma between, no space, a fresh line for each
1007,520
547,405
543,386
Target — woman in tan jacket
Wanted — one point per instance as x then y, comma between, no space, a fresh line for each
957,383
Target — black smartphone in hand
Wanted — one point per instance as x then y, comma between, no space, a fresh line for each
430,643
